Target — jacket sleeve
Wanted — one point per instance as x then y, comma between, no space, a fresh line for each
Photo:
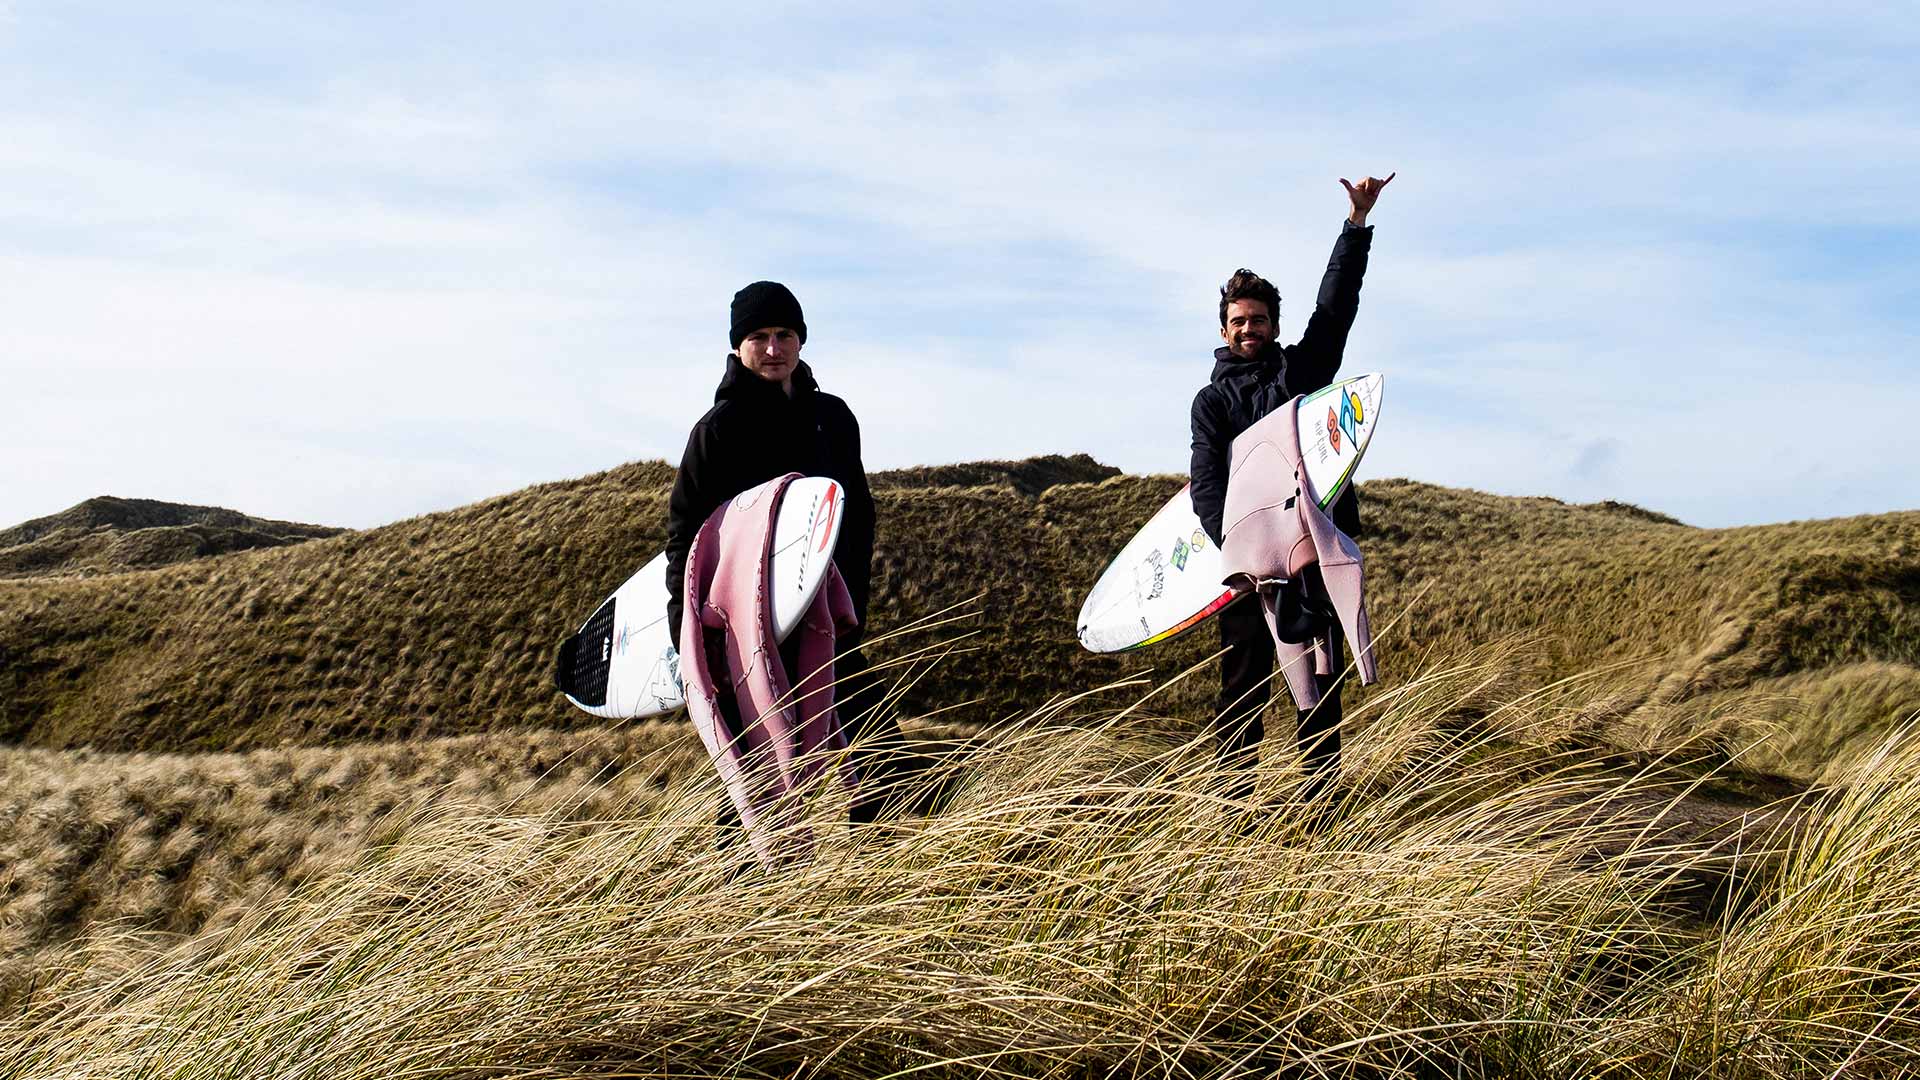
1212,445
1313,362
697,491
853,555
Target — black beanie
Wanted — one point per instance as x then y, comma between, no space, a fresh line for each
763,304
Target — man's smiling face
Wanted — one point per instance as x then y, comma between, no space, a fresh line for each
1248,329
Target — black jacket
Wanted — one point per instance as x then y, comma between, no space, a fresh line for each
1243,391
753,433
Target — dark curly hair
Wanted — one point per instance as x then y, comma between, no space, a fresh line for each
1247,285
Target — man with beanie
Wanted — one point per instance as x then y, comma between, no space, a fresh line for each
1252,376
770,418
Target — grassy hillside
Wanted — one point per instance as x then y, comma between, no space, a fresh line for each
443,625
105,534
314,810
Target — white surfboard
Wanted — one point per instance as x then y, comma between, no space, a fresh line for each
1167,579
622,665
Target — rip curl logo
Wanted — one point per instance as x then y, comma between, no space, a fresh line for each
1333,429
1352,415
819,529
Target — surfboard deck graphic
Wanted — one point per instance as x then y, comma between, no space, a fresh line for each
1167,579
621,663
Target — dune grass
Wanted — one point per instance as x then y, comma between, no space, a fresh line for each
1484,897
414,870
169,845
445,624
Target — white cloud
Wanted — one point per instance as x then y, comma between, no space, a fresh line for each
383,266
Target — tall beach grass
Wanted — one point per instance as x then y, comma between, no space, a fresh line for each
1482,897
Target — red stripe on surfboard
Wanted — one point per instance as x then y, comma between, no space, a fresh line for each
823,526
1219,602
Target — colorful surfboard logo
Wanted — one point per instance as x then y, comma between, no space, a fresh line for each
1352,415
1333,429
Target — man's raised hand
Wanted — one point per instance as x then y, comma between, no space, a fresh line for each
1364,196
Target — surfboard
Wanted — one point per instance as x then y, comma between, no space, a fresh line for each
622,665
1166,580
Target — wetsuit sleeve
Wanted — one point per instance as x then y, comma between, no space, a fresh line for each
1211,446
1314,362
693,500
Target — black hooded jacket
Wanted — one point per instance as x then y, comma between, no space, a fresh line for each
1243,391
753,433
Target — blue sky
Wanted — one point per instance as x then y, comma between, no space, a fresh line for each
348,264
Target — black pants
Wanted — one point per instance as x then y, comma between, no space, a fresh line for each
879,748
1246,678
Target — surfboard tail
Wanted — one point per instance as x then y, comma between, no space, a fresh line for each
585,660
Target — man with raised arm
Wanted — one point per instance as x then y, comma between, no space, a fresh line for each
1252,376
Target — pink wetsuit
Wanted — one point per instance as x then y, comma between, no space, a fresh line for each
1273,528
789,732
